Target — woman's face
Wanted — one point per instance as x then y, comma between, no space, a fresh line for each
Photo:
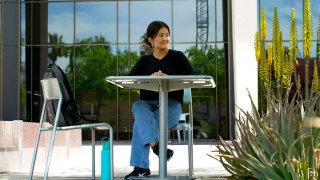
162,40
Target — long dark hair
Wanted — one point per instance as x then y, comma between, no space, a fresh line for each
153,29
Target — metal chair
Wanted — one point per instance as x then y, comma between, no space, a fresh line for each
51,91
184,126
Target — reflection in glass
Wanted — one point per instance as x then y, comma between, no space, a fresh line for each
22,24
212,20
138,51
60,55
96,98
125,123
219,26
96,19
101,51
123,22
209,105
60,21
23,93
221,91
35,60
126,59
184,19
92,65
183,47
144,12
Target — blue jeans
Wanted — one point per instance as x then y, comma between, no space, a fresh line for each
146,128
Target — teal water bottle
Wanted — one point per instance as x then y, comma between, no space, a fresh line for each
105,159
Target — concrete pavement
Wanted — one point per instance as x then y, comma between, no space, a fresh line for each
205,167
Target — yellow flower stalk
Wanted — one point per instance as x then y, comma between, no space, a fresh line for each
270,54
287,71
299,83
257,46
264,66
275,33
315,77
293,49
263,24
307,29
275,44
279,59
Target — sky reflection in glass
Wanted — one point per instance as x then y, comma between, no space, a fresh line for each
60,20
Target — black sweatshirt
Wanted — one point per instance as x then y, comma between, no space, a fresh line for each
174,63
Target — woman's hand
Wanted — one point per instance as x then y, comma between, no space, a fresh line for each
158,73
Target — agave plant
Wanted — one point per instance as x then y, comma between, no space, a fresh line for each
277,145
282,142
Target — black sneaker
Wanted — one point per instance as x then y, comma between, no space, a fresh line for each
138,172
155,150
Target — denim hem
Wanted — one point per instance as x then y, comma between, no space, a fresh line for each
148,141
139,166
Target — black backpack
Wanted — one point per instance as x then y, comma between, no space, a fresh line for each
70,114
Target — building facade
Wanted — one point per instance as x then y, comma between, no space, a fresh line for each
90,40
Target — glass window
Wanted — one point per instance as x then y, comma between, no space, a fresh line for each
210,106
60,22
96,19
22,24
34,63
123,22
124,125
144,12
60,55
35,23
183,47
126,59
23,91
184,21
219,27
90,40
95,97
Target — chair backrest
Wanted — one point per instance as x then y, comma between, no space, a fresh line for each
187,96
51,89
